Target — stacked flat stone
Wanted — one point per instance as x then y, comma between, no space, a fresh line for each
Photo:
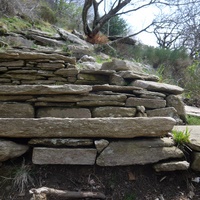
86,117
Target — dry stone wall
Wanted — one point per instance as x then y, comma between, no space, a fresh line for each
86,116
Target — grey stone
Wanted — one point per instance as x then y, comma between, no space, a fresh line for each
61,142
64,112
84,98
194,138
25,77
17,63
165,112
87,58
147,103
67,72
121,65
113,112
171,166
50,66
86,127
158,87
26,55
192,111
136,75
115,88
134,152
89,66
44,89
196,161
44,156
16,110
97,72
101,145
176,102
96,103
9,149
15,98
147,94
117,80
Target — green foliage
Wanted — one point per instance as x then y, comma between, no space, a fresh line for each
116,26
181,137
15,23
193,120
192,81
47,14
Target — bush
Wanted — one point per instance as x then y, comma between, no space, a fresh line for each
180,137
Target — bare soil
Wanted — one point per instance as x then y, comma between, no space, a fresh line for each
117,183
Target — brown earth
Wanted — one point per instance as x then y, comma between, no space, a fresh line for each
117,183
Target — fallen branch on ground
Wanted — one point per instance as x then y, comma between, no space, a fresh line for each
41,194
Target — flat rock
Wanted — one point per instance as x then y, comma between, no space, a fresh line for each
43,89
64,156
61,142
63,112
192,111
110,111
158,87
194,135
139,152
135,75
114,88
147,103
16,110
9,149
116,79
171,166
85,127
165,112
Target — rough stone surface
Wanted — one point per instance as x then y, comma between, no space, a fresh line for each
64,112
147,103
135,75
134,152
194,135
172,166
86,127
121,65
43,89
192,111
9,149
148,94
113,112
16,110
117,80
176,102
158,87
165,112
115,88
61,142
44,156
196,161
101,145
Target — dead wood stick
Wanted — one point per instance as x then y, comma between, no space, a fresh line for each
67,194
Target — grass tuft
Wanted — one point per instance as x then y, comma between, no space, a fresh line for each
181,137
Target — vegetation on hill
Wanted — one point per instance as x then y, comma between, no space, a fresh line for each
173,64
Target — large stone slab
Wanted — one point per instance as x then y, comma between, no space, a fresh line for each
43,89
171,166
194,135
9,149
115,88
192,111
64,112
110,111
140,152
61,142
86,127
16,110
85,98
44,156
147,103
159,87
